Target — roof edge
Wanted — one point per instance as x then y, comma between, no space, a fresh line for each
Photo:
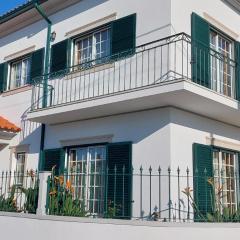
19,10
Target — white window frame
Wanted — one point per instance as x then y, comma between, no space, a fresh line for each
19,178
86,178
23,80
220,179
216,76
92,36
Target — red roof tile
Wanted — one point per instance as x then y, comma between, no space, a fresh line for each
8,126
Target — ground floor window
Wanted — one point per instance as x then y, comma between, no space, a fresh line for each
86,170
225,165
20,167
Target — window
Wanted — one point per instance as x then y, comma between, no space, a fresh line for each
20,166
225,172
86,171
92,47
222,68
20,73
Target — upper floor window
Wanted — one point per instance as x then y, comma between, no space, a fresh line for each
91,47
20,73
222,68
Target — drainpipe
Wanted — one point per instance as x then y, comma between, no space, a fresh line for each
45,73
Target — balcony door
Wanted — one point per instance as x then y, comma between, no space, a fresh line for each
222,67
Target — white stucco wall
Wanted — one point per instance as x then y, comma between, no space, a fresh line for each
70,228
217,9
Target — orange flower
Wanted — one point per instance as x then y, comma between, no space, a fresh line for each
68,185
61,180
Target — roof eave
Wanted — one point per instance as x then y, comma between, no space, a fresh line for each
18,11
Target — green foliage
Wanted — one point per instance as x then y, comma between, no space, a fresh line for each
219,212
112,210
28,195
8,204
31,194
62,201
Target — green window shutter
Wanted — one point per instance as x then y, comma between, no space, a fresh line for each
202,171
53,157
119,155
237,69
123,35
3,76
59,56
200,31
37,64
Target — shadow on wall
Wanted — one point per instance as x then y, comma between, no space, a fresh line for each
133,127
76,9
213,127
30,133
27,32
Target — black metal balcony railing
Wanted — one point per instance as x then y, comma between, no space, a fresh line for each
168,59
145,194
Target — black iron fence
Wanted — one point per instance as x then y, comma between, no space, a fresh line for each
146,194
168,59
19,191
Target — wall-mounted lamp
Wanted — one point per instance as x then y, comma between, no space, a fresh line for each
53,36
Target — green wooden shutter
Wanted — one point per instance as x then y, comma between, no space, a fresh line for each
119,155
237,69
202,172
3,76
200,31
123,35
37,64
59,56
53,157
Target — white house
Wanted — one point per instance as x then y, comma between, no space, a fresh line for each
119,95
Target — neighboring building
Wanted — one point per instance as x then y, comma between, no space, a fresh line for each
127,84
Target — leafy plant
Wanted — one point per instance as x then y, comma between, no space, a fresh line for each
219,212
9,204
62,201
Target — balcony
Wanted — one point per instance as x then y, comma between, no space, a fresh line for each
172,71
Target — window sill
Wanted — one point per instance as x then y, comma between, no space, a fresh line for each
16,90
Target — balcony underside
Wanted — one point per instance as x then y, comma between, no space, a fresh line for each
181,94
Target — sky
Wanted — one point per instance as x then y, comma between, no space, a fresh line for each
6,5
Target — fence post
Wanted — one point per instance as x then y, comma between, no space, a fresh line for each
42,196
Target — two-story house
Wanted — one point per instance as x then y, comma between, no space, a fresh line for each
137,91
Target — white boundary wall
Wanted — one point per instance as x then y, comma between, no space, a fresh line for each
13,226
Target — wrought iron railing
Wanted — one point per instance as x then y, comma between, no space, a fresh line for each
19,191
151,194
158,62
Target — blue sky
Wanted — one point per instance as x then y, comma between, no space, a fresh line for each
6,5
